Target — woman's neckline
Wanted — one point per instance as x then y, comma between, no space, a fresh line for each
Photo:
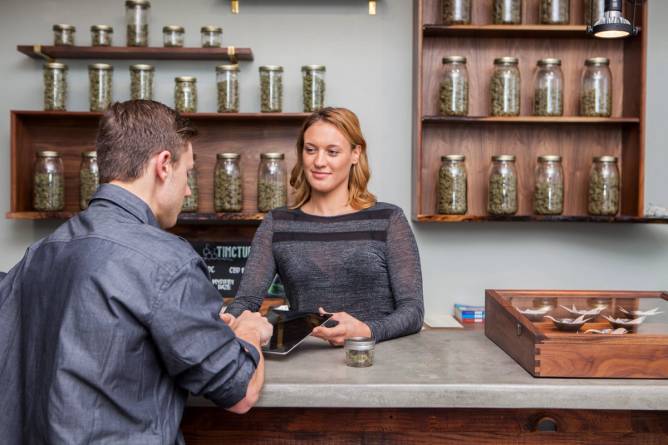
342,215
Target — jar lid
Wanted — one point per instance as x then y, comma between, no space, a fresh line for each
549,158
271,68
142,3
185,79
453,158
100,66
597,61
211,28
549,61
272,156
175,28
313,68
55,65
228,155
454,59
605,158
89,154
359,343
234,67
506,61
48,154
504,158
102,28
63,27
142,67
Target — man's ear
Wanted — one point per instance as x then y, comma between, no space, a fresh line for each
163,165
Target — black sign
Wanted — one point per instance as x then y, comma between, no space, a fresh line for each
226,262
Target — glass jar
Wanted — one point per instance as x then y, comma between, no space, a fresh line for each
359,351
452,185
271,89
604,186
507,12
456,12
185,94
313,86
173,36
548,195
596,89
55,86
505,87
212,36
591,17
228,184
502,192
141,82
101,35
100,76
227,79
89,178
549,88
191,203
136,20
555,12
454,89
63,35
48,182
272,189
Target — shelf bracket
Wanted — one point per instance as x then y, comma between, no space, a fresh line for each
232,55
372,7
37,49
234,6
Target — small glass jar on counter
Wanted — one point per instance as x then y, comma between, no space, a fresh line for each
604,186
136,20
141,81
100,76
101,35
227,80
505,87
89,178
191,203
507,12
185,94
549,88
313,82
55,86
593,11
502,191
548,195
596,89
63,35
212,36
272,189
227,183
452,185
173,36
456,12
454,88
555,12
271,89
48,182
359,351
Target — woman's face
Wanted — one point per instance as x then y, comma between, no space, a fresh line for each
327,157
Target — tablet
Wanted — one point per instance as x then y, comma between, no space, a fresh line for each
291,328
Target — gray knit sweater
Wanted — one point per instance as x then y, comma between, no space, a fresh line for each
365,263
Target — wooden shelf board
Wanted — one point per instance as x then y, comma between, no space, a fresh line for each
433,218
184,218
502,31
193,116
533,120
132,53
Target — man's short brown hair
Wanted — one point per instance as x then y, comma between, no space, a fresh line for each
131,132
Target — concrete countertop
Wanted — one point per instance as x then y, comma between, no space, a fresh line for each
439,368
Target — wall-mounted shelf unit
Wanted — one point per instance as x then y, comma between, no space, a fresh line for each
135,53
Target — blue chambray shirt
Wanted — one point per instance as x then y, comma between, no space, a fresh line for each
106,326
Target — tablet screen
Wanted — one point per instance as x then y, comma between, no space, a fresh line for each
291,328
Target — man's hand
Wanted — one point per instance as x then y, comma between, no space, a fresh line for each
348,326
249,324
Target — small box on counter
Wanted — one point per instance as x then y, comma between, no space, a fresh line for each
469,314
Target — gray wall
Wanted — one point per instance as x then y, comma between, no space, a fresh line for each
368,70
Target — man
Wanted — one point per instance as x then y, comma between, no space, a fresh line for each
107,324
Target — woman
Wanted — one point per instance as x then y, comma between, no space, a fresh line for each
337,249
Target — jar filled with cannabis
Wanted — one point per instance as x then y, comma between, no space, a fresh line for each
454,88
212,36
191,203
173,36
63,35
456,12
141,81
101,35
136,20
271,89
185,94
100,76
555,12
227,183
272,189
593,11
604,186
505,87
359,351
502,192
548,194
55,86
549,88
227,80
313,79
507,12
89,178
596,89
48,182
452,185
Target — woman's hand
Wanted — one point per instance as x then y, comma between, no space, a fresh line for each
348,326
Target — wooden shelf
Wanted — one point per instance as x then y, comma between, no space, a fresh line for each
504,31
133,53
192,116
536,218
184,218
539,120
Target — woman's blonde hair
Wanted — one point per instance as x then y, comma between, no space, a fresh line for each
347,123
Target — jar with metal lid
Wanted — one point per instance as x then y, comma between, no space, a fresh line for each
101,35
555,12
55,86
502,192
141,82
452,185
454,88
359,351
505,87
313,80
100,76
227,80
48,182
89,178
507,12
271,89
456,12
596,89
191,203
549,88
227,183
604,186
185,94
593,11
272,189
173,36
548,195
212,36
63,35
136,20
